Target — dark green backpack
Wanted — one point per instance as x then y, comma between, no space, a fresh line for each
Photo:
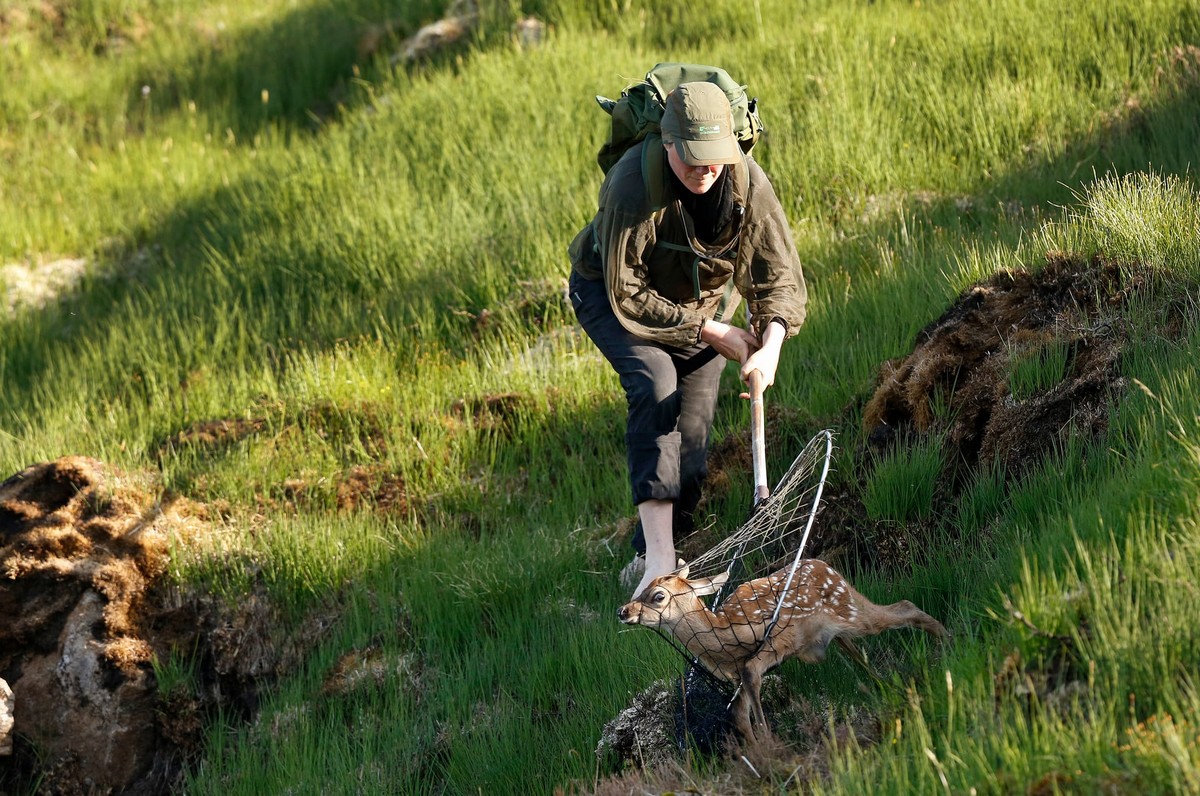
639,110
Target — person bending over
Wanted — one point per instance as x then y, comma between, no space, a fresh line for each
655,285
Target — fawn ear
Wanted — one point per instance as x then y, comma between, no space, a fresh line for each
708,585
683,569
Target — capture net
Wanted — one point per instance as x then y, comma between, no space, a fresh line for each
763,561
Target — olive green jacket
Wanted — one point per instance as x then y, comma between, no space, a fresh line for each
663,282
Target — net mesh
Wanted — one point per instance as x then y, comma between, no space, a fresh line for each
777,531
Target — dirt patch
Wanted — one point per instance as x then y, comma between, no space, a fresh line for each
81,550
375,488
494,412
531,304
83,553
213,434
371,488
35,285
351,430
345,427
643,734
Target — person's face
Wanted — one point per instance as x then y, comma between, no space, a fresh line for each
697,179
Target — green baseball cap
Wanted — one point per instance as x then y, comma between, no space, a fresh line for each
699,123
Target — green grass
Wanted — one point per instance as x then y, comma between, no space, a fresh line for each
902,482
356,265
1034,370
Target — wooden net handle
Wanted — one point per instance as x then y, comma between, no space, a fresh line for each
758,436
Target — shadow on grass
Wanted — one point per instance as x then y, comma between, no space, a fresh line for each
293,73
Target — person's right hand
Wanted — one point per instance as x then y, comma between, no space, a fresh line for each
731,342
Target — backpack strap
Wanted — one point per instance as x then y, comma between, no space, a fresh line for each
654,164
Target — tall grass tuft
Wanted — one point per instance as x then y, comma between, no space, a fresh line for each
1034,370
903,480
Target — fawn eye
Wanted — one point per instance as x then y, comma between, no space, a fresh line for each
659,596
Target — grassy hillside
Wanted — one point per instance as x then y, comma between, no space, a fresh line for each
356,267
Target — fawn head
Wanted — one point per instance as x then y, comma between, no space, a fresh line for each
669,598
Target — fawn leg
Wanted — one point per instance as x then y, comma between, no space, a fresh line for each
741,714
752,686
905,614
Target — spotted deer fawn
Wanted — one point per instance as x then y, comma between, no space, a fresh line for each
819,607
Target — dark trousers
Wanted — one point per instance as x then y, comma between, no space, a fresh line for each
671,395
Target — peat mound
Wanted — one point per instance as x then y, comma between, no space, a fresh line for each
89,616
1015,369
964,362
80,548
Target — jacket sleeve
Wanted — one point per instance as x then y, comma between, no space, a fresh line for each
769,276
626,240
